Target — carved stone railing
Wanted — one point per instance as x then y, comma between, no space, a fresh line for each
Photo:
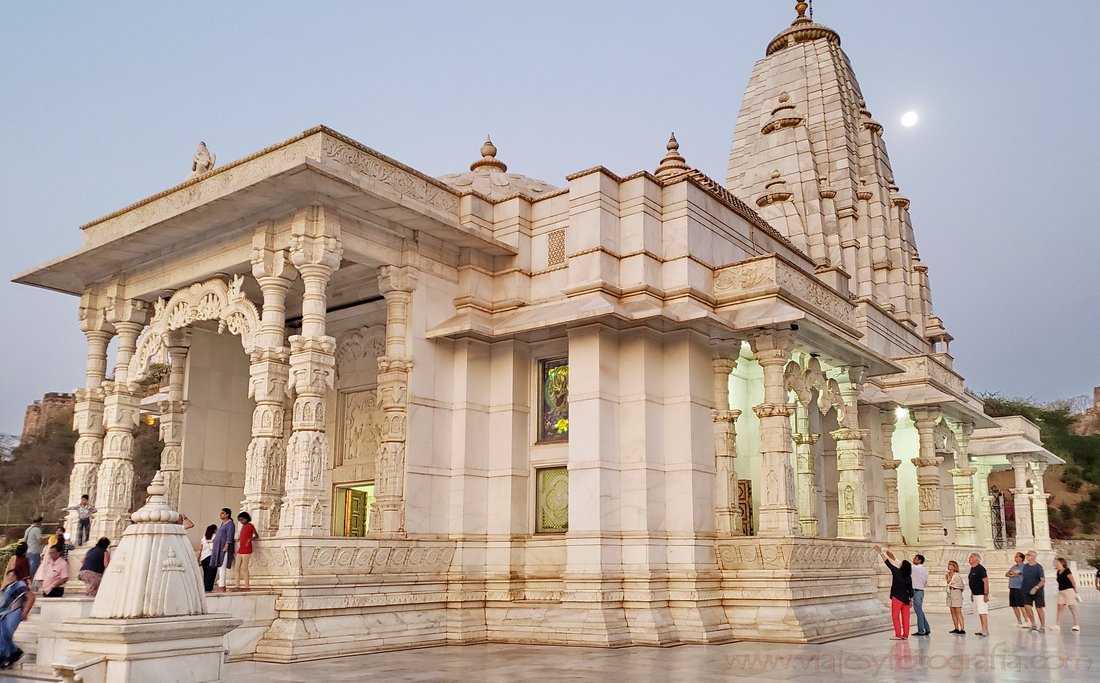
924,367
774,276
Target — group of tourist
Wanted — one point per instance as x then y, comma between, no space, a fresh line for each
41,567
1026,581
220,548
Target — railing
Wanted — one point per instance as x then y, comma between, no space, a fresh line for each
1086,583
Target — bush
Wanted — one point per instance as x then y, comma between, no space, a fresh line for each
1073,484
6,552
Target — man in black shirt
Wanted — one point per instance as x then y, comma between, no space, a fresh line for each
979,589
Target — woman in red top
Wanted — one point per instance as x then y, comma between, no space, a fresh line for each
244,550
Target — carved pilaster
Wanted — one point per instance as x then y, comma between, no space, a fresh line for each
171,416
1025,537
269,377
888,418
893,518
88,411
316,253
963,481
852,518
388,513
115,479
806,472
928,476
778,514
985,507
1039,513
727,514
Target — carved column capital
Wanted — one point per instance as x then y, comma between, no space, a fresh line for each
725,415
849,434
772,347
925,417
803,439
890,464
397,279
774,410
926,462
315,245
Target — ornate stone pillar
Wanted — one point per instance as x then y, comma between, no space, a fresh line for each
88,411
852,519
388,515
1025,538
888,423
985,507
806,471
269,376
778,514
171,416
1039,515
962,478
121,407
728,515
928,476
316,252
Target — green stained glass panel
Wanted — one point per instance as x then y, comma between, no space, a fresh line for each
552,493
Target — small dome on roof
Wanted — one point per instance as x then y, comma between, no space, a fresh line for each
488,176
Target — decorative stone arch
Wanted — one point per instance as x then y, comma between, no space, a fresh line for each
944,439
211,300
810,385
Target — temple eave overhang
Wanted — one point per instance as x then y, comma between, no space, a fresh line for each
319,166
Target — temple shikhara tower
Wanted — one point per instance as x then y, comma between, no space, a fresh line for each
653,408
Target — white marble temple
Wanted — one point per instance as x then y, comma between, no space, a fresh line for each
613,410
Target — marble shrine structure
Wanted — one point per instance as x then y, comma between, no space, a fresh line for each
654,408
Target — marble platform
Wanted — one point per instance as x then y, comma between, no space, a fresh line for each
1010,655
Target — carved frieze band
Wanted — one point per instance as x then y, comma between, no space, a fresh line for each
390,175
765,554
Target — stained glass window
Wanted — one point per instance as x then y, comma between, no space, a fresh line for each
554,400
552,494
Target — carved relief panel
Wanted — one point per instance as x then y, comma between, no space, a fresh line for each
362,427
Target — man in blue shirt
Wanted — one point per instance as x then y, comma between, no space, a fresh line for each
1016,598
1033,583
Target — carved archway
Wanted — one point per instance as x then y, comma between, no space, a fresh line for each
211,300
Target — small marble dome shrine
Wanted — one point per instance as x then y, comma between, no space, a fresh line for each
488,176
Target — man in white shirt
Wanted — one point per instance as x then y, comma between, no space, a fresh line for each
920,582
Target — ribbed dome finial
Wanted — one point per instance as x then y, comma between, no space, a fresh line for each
489,157
672,162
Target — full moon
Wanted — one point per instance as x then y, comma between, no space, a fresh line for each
909,119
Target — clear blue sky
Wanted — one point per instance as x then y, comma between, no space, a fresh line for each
103,104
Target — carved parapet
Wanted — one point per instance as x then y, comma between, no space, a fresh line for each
774,276
928,369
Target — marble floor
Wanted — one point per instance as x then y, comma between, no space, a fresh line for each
1010,654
